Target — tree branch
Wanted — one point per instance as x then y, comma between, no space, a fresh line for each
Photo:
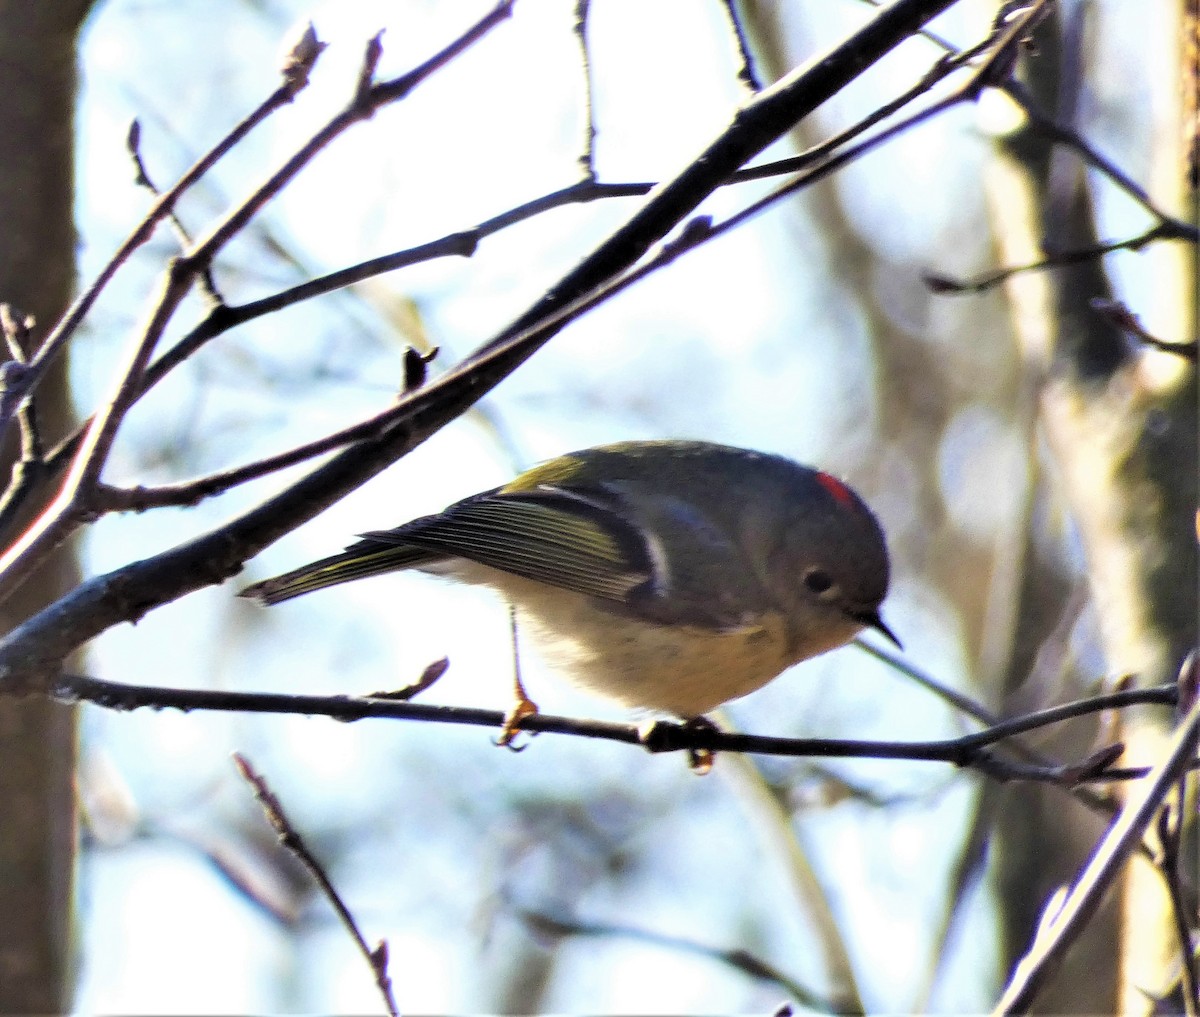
289,838
969,751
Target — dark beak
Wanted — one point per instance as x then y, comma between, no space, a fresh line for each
872,620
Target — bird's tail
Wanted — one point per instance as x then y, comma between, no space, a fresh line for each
366,558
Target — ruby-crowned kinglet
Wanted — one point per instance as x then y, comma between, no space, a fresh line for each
668,575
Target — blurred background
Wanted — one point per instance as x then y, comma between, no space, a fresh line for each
808,333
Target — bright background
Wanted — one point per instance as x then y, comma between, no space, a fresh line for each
807,333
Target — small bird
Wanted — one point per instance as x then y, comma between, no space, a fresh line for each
670,576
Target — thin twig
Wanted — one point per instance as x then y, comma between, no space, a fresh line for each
190,492
1128,322
290,839
999,49
462,244
587,158
1170,837
1166,227
30,467
989,280
18,331
429,677
367,100
1173,228
959,700
745,72
938,72
133,145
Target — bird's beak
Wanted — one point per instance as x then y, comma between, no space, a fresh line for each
872,620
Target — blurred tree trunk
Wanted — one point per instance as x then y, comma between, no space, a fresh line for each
37,738
1121,426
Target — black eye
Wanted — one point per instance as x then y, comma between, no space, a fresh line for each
817,580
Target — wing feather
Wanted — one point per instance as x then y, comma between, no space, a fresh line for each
549,535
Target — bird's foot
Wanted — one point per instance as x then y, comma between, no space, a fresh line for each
700,761
524,707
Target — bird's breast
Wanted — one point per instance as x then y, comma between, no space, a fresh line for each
683,670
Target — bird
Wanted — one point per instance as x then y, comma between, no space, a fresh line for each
670,576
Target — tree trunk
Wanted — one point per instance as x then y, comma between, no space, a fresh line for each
37,738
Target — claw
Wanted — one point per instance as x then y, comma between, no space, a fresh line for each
522,708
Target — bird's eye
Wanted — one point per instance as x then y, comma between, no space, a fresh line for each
817,580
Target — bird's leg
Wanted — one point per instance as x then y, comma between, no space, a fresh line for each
522,706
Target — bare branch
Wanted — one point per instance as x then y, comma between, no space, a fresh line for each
367,100
944,284
745,72
1170,837
289,838
1173,228
587,158
969,751
462,244
133,142
1128,322
18,331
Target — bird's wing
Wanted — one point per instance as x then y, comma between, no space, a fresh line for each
564,538
600,540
